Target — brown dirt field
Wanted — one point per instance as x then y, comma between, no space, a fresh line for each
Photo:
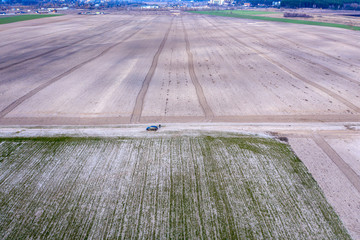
125,69
115,69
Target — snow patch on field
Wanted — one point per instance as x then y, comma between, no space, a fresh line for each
234,187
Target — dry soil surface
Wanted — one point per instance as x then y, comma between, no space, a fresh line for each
122,69
116,69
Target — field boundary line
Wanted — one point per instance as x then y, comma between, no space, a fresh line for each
339,162
59,120
199,90
20,100
292,73
139,103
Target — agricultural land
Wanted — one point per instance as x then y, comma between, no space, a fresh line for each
5,20
260,136
235,187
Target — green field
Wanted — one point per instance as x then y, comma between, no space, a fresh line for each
254,15
243,12
227,187
19,18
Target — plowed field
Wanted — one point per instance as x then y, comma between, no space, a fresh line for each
116,69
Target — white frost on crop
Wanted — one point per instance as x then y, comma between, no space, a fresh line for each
190,186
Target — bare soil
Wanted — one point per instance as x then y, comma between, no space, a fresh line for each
175,69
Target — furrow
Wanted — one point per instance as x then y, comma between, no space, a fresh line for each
34,91
292,73
199,90
305,59
315,50
139,104
340,163
60,48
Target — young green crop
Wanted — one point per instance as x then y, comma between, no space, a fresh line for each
19,18
172,187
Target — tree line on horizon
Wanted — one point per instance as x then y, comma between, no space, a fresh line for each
334,4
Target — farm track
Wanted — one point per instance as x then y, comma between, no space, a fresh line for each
31,93
139,104
340,163
199,90
290,72
124,120
62,47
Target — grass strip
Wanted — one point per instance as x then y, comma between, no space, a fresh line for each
245,12
20,18
249,15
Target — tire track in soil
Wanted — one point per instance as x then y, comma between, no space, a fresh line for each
199,90
330,39
312,49
316,50
60,48
139,104
96,28
318,65
290,72
28,39
339,162
20,100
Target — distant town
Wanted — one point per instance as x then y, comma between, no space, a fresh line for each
12,7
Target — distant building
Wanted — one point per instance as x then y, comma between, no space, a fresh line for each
175,12
149,6
276,4
218,2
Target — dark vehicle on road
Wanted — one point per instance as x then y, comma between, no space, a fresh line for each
153,128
